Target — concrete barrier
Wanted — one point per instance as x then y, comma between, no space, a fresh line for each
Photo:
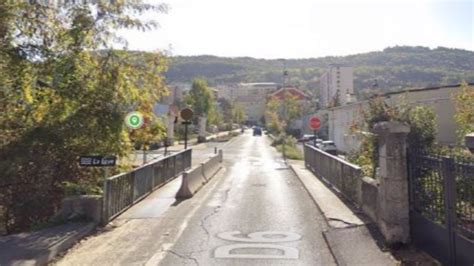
197,176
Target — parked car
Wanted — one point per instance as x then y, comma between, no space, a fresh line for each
315,142
329,147
306,137
257,131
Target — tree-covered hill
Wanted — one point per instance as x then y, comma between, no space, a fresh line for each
394,68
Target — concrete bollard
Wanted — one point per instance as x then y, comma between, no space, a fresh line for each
196,177
184,192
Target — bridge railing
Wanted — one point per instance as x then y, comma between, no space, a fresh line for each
123,190
341,175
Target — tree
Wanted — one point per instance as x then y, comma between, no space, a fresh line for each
200,97
227,110
464,104
238,114
64,93
273,121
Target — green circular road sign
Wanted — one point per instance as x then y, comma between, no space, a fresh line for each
134,120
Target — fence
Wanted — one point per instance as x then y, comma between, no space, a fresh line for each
343,176
442,206
123,190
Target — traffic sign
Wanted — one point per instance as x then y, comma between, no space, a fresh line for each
97,161
186,114
314,123
134,120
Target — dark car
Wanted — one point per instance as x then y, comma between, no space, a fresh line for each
257,131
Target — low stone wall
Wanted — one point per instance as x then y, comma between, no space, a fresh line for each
88,207
369,201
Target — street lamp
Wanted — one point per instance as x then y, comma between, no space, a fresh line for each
285,73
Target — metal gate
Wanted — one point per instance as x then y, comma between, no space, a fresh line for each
442,206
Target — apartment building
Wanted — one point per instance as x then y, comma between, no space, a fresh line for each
337,86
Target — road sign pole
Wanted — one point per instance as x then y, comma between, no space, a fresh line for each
314,137
185,135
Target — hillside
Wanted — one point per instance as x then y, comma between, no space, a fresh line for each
394,68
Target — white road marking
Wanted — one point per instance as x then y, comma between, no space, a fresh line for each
254,241
259,237
224,252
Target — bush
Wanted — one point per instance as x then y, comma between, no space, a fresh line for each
291,152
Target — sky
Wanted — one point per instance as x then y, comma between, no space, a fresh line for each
304,28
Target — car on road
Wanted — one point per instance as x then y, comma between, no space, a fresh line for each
257,131
315,142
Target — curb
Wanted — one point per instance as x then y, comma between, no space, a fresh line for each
347,224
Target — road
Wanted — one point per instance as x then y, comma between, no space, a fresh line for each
254,212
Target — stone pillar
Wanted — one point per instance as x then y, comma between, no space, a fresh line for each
202,129
393,216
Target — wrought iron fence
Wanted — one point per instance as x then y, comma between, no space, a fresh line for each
123,190
342,175
442,205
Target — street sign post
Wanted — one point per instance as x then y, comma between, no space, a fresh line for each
186,115
315,125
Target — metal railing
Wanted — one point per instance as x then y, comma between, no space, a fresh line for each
442,205
123,190
341,175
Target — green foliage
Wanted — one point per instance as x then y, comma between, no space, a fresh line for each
420,119
464,116
289,143
200,98
62,97
238,114
394,68
273,121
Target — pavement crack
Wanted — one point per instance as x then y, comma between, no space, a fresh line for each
215,210
186,257
342,221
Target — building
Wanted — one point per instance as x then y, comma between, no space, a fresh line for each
250,96
336,86
338,120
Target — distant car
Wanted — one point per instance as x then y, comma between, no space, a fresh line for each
257,131
306,137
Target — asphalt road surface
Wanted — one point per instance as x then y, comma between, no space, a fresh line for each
253,212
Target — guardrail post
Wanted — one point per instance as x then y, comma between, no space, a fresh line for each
221,156
450,204
105,202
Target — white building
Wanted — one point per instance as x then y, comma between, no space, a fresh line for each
339,120
251,96
336,86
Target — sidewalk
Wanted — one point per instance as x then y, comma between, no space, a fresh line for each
352,238
38,248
